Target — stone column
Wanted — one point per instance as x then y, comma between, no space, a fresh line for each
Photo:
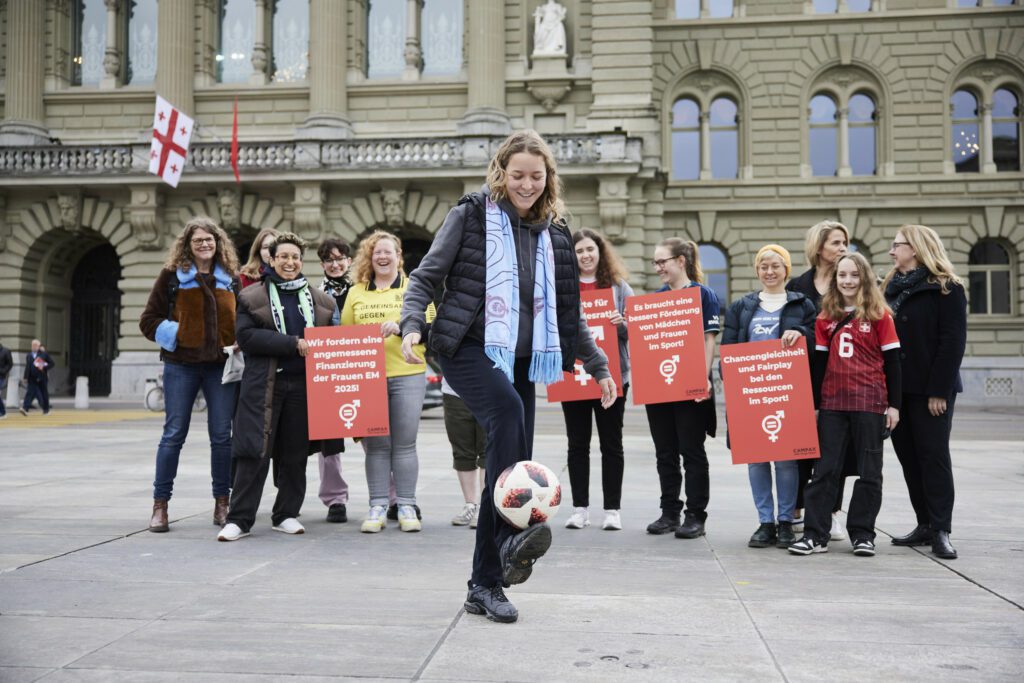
988,164
112,56
24,115
485,114
413,49
328,60
844,170
175,57
260,54
705,145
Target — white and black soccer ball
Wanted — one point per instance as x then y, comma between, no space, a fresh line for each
527,493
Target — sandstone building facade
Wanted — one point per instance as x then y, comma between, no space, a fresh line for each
732,122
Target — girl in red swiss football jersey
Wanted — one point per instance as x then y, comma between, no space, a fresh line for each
857,391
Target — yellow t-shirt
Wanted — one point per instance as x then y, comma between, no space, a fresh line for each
364,306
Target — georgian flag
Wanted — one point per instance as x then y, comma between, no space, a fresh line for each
172,132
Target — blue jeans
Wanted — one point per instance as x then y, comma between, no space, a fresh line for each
787,475
182,382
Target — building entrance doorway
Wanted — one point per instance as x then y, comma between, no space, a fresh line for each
95,317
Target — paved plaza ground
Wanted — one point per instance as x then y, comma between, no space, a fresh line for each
87,594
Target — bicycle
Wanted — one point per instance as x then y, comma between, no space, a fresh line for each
153,397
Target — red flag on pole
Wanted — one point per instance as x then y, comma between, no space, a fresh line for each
234,143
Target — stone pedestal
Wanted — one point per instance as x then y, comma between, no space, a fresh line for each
549,80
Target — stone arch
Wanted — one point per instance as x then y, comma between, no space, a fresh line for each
255,212
423,212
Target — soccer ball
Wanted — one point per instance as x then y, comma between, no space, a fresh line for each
527,493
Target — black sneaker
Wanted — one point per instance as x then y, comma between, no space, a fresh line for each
492,602
520,551
807,546
786,535
764,536
864,548
393,512
337,514
691,527
665,524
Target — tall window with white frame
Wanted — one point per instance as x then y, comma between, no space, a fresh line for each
705,144
412,38
290,43
1006,124
966,142
863,145
990,276
842,134
823,135
685,139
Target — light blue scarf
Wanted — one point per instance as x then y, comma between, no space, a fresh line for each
501,313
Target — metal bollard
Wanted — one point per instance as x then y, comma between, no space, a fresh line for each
81,393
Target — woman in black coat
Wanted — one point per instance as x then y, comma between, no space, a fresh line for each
930,310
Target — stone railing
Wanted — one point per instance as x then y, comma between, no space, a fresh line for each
259,157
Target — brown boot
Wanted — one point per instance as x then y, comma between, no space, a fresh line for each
158,522
220,510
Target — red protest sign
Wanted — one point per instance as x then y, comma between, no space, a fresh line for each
666,346
579,385
346,384
598,305
768,401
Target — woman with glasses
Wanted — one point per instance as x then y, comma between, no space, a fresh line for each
191,315
272,420
678,428
930,309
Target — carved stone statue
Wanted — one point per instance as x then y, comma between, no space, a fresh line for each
394,207
549,30
70,211
230,213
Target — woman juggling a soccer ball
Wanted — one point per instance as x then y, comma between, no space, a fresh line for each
857,376
508,245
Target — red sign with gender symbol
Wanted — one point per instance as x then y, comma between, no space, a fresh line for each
598,305
768,401
666,346
346,383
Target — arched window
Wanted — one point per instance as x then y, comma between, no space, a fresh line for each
724,138
862,134
823,135
715,265
235,40
966,131
685,139
1006,119
290,54
990,277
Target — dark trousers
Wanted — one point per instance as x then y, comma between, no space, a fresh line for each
679,428
921,441
806,471
289,434
578,426
3,390
837,430
36,390
506,412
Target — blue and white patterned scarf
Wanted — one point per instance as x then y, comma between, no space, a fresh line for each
501,313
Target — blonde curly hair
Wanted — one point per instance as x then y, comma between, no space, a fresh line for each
362,268
180,253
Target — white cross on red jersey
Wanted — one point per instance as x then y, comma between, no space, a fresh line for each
172,131
854,377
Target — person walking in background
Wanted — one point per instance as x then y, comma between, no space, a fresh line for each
824,243
272,417
679,428
772,313
37,378
6,364
856,379
191,315
258,264
469,453
376,299
335,258
600,268
508,245
930,310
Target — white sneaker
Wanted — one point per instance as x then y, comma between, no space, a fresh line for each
476,517
837,533
612,520
465,516
579,518
231,532
290,526
376,520
407,519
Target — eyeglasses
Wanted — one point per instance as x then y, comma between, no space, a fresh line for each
288,257
895,245
660,263
199,241
336,261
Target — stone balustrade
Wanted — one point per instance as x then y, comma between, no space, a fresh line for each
59,160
